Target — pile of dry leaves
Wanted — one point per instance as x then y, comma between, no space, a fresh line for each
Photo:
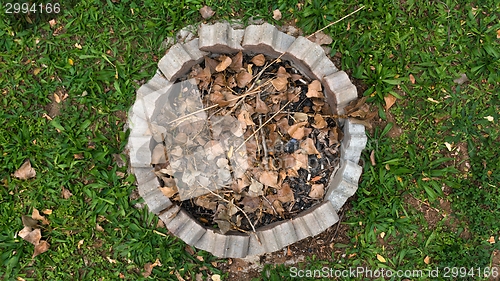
246,141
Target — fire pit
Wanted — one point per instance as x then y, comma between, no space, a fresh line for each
182,150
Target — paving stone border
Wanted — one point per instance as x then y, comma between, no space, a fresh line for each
307,57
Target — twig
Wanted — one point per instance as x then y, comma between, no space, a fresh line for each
270,204
264,146
265,123
337,21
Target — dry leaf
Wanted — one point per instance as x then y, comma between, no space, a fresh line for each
260,106
372,158
99,228
319,122
255,189
259,60
285,193
245,120
169,191
216,277
206,12
280,83
412,79
282,125
297,131
300,116
314,90
380,258
389,101
317,191
41,248
29,222
148,268
47,211
33,236
225,61
308,146
237,62
269,178
52,22
25,171
65,193
277,14
321,38
250,204
427,259
206,201
279,208
498,34
36,215
211,64
492,240
489,118
243,78
78,46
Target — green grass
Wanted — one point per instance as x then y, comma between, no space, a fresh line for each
381,46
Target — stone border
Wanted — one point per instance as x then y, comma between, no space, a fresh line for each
307,57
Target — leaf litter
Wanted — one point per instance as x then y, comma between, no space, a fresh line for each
251,141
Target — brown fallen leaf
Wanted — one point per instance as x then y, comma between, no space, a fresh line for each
321,38
308,146
412,78
25,171
317,191
389,101
269,178
41,248
206,12
279,208
169,191
319,122
259,60
372,158
280,83
36,215
65,193
237,62
260,106
52,22
225,61
29,222
285,193
277,14
427,259
251,204
243,78
314,90
33,236
297,131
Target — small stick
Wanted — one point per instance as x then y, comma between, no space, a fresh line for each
270,204
337,21
264,146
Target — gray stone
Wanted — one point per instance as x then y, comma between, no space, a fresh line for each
237,246
140,150
267,237
220,38
156,83
339,90
354,141
343,184
207,241
315,220
191,232
266,39
255,245
309,58
169,214
176,220
220,245
156,201
143,175
301,229
179,59
137,125
285,234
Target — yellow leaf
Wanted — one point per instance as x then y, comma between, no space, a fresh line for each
448,146
36,71
78,46
382,235
70,61
432,100
492,240
489,118
427,259
380,258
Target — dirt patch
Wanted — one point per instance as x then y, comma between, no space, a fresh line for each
321,246
431,214
495,263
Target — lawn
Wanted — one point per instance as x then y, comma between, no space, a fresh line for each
430,200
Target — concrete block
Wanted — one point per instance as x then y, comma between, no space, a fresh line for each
147,187
285,233
255,246
220,245
191,232
177,221
266,39
339,90
354,141
149,105
169,214
140,151
308,56
326,215
180,58
267,237
206,241
237,246
220,38
156,201
155,84
301,229
143,175
344,183
137,125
